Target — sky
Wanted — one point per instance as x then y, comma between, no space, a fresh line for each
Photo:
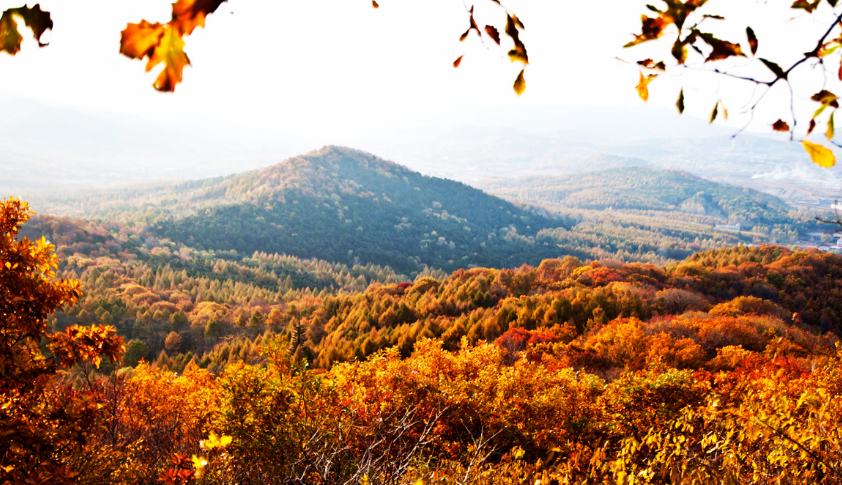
340,66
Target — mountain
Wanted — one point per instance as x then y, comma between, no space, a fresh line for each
340,205
646,189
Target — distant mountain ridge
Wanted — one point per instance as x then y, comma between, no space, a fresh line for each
646,189
345,205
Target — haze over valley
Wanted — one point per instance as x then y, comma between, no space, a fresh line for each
62,150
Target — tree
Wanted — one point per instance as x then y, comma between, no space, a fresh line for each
179,320
135,351
42,420
694,47
173,342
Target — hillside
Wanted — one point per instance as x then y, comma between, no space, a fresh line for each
645,189
340,205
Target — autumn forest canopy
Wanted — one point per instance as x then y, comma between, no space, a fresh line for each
660,310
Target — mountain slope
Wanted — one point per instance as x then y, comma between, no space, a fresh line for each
645,189
345,205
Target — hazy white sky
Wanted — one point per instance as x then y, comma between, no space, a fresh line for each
312,65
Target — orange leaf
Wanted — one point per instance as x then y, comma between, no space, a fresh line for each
160,44
458,61
375,4
492,32
140,40
189,14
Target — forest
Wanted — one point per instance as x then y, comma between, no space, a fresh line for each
177,365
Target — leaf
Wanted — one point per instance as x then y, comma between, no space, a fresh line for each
831,129
170,52
780,125
520,83
375,4
651,28
492,32
164,43
139,40
722,49
36,19
643,85
160,43
826,97
650,64
776,69
811,127
189,14
715,112
679,51
518,53
680,103
820,155
199,462
804,4
752,40
458,61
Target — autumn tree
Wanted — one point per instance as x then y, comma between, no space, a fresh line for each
42,420
173,342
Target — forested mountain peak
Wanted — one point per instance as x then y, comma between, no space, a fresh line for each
331,169
349,206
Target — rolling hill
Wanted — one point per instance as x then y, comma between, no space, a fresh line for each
340,205
643,189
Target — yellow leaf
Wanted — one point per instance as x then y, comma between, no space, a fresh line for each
643,85
831,129
215,441
520,83
820,155
199,462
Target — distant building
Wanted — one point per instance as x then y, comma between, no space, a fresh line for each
729,227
